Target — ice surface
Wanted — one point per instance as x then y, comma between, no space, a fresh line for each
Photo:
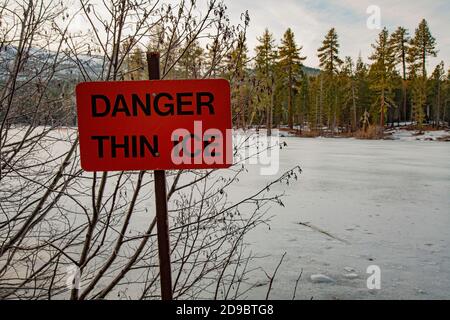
386,203
351,275
390,200
321,278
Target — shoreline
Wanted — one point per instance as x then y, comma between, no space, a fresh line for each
405,133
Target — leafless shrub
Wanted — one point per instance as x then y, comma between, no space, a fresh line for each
65,233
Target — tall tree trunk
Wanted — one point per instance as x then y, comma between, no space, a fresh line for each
334,113
382,111
444,113
405,97
316,112
405,117
424,70
438,106
244,106
290,108
354,108
270,111
321,105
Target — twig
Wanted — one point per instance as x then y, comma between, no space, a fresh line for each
323,232
296,284
273,276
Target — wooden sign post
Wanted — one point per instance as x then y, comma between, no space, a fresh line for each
162,220
155,125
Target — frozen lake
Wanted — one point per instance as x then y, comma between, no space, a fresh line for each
388,200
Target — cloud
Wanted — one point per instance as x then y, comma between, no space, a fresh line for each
311,19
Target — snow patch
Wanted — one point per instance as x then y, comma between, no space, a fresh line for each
351,276
414,135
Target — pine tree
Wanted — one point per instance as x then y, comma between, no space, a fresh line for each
329,62
419,100
446,99
314,111
215,61
361,76
423,45
136,65
382,74
191,63
400,43
350,92
265,64
290,63
304,99
329,53
437,80
238,75
238,60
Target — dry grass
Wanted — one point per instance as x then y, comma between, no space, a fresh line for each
310,134
372,133
446,138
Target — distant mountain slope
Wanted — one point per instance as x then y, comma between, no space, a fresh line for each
68,68
40,61
311,71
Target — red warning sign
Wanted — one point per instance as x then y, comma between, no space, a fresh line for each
154,125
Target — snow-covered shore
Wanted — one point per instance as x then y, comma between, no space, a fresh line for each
415,135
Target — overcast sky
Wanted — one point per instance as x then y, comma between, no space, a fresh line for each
311,19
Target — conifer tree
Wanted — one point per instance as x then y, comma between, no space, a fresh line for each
329,62
238,74
215,61
304,99
265,64
437,80
382,74
136,65
361,75
350,92
329,53
446,99
400,44
419,100
191,63
423,45
290,62
314,110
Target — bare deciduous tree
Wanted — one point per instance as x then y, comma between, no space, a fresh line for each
65,233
